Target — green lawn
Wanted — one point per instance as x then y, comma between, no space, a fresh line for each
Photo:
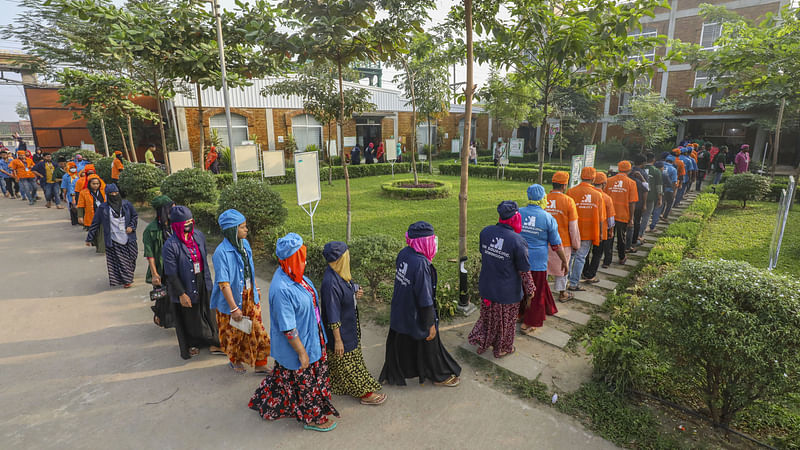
745,235
373,213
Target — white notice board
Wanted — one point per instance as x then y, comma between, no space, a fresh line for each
391,150
516,146
306,172
179,161
274,164
246,158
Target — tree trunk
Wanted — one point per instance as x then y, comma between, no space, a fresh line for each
130,138
161,124
124,145
777,147
105,137
330,158
463,300
339,142
200,127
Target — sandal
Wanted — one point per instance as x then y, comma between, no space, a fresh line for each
322,428
569,297
238,370
452,381
577,288
377,399
194,351
502,354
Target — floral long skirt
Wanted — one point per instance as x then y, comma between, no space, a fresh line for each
251,349
495,327
303,394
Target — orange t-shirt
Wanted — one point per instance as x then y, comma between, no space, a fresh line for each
589,204
22,170
85,201
562,208
623,192
116,168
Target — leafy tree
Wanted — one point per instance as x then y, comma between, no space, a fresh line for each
652,118
573,44
344,31
21,110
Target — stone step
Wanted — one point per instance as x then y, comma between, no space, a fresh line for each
590,297
519,362
615,271
570,315
550,335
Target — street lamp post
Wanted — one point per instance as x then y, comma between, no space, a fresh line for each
215,9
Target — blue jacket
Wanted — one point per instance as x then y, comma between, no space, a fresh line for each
178,263
414,289
290,307
504,254
540,231
229,267
339,306
102,217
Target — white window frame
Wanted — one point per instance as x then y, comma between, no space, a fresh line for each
305,126
222,130
703,34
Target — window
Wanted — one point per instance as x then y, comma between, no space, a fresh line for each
709,35
238,128
710,100
641,85
422,134
306,131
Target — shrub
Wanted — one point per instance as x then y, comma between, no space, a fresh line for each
373,259
704,204
395,189
729,330
189,186
263,207
668,250
137,180
746,186
205,216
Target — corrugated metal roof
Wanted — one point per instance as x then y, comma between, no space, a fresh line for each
385,100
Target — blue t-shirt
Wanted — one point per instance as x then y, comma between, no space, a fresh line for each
504,254
290,307
4,166
540,230
414,289
671,174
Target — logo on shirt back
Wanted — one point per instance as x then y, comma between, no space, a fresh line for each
497,243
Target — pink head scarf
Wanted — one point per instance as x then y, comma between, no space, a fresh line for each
427,246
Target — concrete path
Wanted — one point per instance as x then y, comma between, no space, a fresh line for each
83,366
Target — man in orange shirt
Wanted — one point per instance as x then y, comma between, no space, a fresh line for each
589,203
116,167
562,208
606,232
624,194
23,172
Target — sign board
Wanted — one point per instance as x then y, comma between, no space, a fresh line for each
455,146
589,152
349,141
306,172
332,147
274,164
246,158
787,195
391,150
179,161
577,167
516,146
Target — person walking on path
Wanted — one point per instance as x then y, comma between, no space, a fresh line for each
155,234
655,196
540,231
236,296
562,208
349,374
23,173
299,384
117,166
189,284
703,164
590,212
45,171
606,231
742,160
718,164
504,281
622,190
119,220
413,347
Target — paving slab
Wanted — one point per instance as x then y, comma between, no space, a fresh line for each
614,271
518,362
590,297
570,315
551,336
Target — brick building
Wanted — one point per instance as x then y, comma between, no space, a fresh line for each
684,23
270,120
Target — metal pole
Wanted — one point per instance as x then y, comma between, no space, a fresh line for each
215,9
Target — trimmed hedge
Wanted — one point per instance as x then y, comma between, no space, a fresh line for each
513,174
393,189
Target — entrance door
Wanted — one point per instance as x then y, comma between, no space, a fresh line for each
368,129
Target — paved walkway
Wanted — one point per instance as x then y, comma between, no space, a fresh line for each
83,366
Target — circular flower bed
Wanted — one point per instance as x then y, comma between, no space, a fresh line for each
406,189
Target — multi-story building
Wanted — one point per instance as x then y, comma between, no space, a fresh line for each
684,22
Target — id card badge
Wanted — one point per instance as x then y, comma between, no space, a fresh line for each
247,283
196,268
